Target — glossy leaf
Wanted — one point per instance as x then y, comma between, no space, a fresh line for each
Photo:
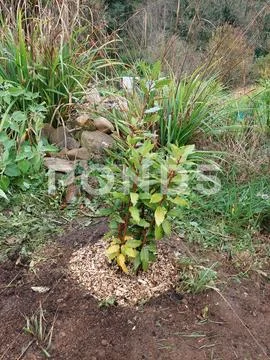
135,213
112,249
156,198
3,195
128,251
134,197
134,243
144,255
166,225
160,215
158,232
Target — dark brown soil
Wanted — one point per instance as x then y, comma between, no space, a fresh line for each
167,328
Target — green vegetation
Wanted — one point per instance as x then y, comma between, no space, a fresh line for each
195,278
20,140
228,220
186,64
148,190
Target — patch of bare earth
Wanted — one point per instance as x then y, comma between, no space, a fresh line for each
168,327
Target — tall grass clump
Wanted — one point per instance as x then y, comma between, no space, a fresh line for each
189,106
51,51
171,111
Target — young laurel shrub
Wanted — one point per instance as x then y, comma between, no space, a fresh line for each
149,190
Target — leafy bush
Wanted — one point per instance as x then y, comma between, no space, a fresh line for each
148,190
21,148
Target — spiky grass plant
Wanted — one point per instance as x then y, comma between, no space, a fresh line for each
171,111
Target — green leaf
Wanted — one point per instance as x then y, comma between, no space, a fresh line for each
12,170
4,183
158,232
179,201
175,213
24,166
160,215
3,195
112,249
144,255
166,225
143,223
132,243
135,214
120,196
128,251
156,198
134,198
19,117
146,148
137,262
144,196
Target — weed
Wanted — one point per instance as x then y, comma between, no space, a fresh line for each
194,278
107,302
27,221
37,327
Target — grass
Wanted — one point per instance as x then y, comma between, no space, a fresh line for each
231,218
27,222
37,327
51,57
194,278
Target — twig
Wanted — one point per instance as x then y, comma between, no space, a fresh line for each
240,320
25,350
9,284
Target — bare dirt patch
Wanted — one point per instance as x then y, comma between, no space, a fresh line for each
169,327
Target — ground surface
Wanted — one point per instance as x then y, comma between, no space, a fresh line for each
169,327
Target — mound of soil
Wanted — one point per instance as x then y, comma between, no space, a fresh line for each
234,325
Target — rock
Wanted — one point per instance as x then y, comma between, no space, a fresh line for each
85,122
92,97
47,131
104,125
58,135
127,83
96,141
116,102
61,138
60,165
78,154
61,154
69,143
72,192
104,342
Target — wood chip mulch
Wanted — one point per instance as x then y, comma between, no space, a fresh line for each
91,269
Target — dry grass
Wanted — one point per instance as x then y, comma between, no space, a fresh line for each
149,38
